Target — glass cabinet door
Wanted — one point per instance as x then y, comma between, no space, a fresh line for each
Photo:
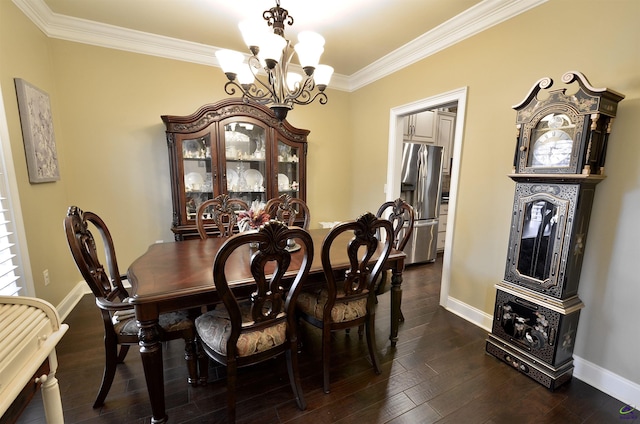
288,178
196,164
245,150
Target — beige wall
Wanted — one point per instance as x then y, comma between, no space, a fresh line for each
113,156
499,66
111,143
25,53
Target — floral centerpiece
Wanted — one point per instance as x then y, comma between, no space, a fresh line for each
254,217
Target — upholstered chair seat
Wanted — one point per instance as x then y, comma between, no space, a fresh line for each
343,310
124,323
214,328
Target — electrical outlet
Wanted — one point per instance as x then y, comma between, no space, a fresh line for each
45,274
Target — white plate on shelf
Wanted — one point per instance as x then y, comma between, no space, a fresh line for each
254,178
191,149
193,181
283,182
232,178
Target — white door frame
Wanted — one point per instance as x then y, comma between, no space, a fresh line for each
394,165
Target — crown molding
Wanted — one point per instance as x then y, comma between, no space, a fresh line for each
478,18
84,31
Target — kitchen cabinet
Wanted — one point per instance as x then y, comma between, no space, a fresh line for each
421,127
432,127
233,148
446,129
442,226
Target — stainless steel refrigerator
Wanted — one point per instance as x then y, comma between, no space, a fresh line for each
421,181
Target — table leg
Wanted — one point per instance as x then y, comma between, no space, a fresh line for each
151,354
396,300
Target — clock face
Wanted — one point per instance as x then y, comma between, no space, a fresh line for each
552,148
553,142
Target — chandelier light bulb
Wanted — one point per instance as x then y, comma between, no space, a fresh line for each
245,76
271,48
230,61
322,76
293,80
252,31
310,37
309,49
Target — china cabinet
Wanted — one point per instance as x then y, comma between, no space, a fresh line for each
561,144
233,148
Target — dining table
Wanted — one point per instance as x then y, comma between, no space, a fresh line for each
178,275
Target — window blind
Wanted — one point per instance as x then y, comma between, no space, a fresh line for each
13,279
8,277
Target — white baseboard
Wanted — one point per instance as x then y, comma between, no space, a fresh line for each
471,314
71,300
602,379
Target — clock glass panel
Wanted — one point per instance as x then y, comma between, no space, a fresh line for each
552,142
537,242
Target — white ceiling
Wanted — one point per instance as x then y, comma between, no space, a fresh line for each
365,39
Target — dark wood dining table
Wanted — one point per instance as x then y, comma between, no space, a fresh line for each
179,275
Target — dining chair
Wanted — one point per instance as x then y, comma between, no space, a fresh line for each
251,330
222,210
348,301
287,209
118,317
402,218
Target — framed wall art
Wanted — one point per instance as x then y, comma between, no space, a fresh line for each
37,132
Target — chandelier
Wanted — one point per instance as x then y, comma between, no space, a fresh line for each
271,52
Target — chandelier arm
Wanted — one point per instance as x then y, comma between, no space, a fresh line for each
255,93
248,92
230,88
302,92
263,94
278,79
279,84
306,98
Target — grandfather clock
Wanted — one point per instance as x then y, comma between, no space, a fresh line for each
559,159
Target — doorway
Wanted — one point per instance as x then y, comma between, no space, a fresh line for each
457,99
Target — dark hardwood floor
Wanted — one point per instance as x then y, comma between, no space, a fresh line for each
438,373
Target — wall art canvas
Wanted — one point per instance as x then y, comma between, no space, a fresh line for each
37,132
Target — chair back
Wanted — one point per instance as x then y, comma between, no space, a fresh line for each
398,212
272,300
287,209
222,210
359,278
104,283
